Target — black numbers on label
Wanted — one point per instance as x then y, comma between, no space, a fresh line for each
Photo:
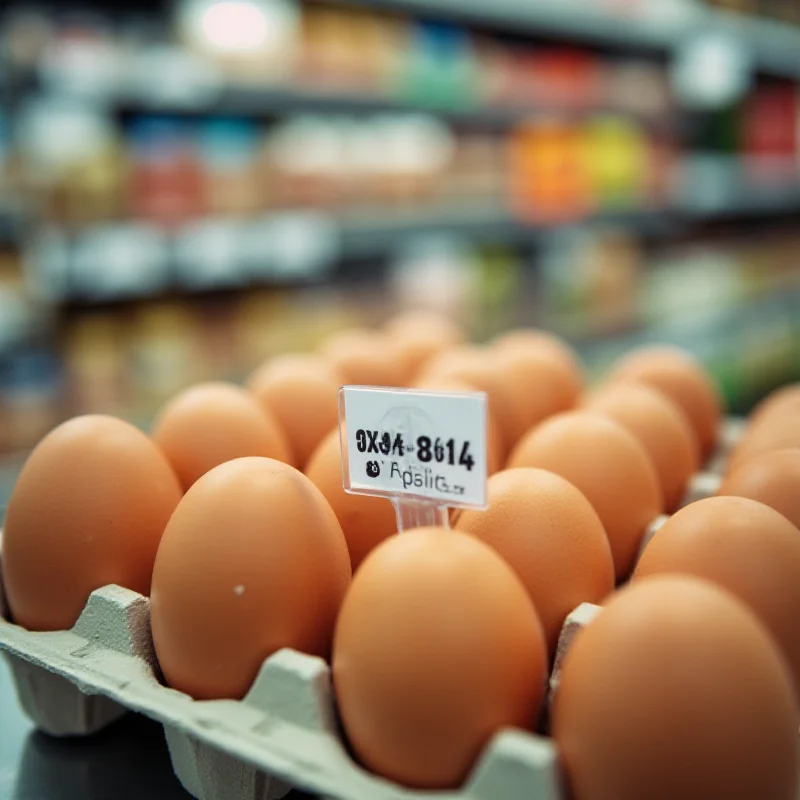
444,452
439,451
424,449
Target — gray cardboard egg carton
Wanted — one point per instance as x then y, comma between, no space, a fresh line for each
283,734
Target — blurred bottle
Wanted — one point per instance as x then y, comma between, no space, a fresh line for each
550,179
165,353
165,181
440,68
617,158
305,161
30,395
250,41
771,132
74,164
228,151
566,78
346,49
95,363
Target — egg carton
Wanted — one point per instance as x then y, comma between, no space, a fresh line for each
283,734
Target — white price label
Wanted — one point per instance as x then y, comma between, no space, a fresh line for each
421,444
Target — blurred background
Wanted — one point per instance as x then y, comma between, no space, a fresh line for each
189,187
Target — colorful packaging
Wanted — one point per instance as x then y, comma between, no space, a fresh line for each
228,149
165,181
550,179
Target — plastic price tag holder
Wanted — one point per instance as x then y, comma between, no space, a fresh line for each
425,451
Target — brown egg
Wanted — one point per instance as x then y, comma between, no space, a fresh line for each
609,465
493,458
437,647
544,344
87,510
548,532
744,546
784,400
211,423
660,427
772,479
675,690
253,560
366,521
301,392
684,381
363,358
478,367
771,433
417,336
539,385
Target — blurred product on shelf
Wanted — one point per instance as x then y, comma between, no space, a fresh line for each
183,196
731,301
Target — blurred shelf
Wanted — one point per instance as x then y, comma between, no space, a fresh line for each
254,101
657,26
80,270
774,46
377,235
708,186
220,255
748,199
646,25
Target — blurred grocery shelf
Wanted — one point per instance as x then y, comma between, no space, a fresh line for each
710,187
129,260
276,101
656,25
108,263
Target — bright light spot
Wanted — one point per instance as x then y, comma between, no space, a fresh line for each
235,26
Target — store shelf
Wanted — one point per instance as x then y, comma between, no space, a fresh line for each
646,25
213,262
80,270
265,102
377,235
649,25
716,191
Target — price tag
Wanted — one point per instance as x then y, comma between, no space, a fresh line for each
415,447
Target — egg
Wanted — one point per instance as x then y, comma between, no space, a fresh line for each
659,426
88,509
253,560
363,358
675,690
771,433
301,393
477,367
545,345
210,423
684,381
539,387
608,465
772,479
783,401
366,521
493,458
550,535
417,336
744,546
437,647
